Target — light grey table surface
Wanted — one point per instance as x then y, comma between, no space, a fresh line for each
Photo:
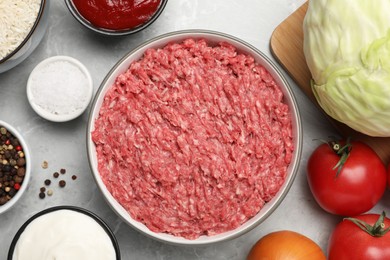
63,145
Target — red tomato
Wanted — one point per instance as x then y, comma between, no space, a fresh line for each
348,241
358,186
388,175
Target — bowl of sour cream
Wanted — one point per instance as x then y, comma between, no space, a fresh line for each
64,232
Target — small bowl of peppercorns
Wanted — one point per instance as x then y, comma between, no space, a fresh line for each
15,169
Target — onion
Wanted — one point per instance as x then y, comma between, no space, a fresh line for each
286,245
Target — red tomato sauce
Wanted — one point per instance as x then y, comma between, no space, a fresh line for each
117,14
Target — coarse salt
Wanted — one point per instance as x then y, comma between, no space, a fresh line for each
60,86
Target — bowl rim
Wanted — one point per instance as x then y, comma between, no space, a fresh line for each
47,115
28,36
297,127
27,176
76,14
84,211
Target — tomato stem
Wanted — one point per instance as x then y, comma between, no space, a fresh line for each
342,151
377,230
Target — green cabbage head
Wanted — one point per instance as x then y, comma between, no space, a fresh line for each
347,49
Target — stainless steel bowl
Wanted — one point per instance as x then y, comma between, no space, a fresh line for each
212,38
73,10
32,40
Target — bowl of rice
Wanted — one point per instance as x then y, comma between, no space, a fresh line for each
23,26
194,137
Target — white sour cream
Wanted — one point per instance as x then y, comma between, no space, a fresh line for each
63,235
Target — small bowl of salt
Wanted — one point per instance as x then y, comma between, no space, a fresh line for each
59,88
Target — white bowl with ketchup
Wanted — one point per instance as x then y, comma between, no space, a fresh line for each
117,19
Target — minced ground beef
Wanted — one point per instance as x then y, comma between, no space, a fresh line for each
193,139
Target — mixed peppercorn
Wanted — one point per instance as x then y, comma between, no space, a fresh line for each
61,183
13,168
12,165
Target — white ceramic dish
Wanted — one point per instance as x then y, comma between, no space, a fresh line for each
57,209
14,200
212,38
62,73
31,42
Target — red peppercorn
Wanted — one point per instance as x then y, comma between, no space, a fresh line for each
18,148
16,186
7,142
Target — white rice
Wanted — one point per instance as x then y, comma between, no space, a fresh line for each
17,17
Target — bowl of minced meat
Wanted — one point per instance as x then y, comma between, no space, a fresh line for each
194,137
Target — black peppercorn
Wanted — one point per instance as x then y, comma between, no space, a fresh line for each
12,192
42,195
62,183
7,168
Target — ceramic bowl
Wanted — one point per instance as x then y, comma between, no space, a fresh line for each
31,42
212,38
23,186
108,32
59,88
66,243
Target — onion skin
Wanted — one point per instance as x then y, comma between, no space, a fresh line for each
285,245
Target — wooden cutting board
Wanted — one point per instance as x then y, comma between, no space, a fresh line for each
286,46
